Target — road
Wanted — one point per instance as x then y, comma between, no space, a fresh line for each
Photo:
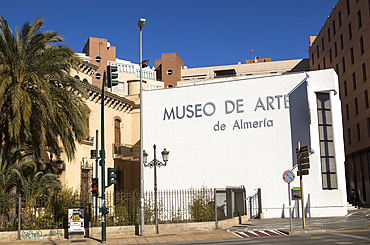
353,237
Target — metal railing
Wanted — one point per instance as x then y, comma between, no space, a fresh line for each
50,212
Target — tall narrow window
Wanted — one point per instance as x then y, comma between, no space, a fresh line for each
345,88
330,56
349,136
343,65
358,132
354,81
359,19
117,132
366,96
324,62
362,48
327,152
340,18
318,51
356,106
334,28
348,7
335,49
364,72
337,68
322,43
341,42
347,112
368,128
329,37
312,58
350,31
352,56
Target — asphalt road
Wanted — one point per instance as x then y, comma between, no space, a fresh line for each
353,237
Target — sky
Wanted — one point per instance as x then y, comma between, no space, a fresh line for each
201,32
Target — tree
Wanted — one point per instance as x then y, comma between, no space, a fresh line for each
15,165
42,105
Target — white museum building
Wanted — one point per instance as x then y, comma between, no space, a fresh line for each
244,132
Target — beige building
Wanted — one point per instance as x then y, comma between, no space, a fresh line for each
172,71
343,44
121,119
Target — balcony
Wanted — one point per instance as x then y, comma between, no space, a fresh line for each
126,152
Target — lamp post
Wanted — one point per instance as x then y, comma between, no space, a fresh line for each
141,24
154,163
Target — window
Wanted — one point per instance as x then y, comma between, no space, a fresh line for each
328,166
340,18
341,42
349,136
363,73
356,106
350,31
358,132
98,59
329,38
169,72
337,68
322,43
312,58
98,76
343,64
330,56
335,49
348,7
368,129
366,96
318,52
345,88
121,87
347,112
334,28
117,132
324,62
359,19
352,56
354,80
362,48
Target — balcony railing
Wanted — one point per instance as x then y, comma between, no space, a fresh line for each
126,151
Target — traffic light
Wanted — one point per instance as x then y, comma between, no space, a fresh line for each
112,176
94,186
111,76
303,159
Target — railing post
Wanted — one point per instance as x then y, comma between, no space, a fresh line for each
19,217
216,226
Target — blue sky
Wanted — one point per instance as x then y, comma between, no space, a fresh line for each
202,32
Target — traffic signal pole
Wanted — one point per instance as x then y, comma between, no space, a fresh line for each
301,181
103,210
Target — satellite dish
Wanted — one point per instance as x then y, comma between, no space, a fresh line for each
108,44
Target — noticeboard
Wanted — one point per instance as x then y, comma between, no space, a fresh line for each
76,220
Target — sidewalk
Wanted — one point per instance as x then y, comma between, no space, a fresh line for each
355,220
149,239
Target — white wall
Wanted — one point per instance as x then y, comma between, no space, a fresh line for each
254,157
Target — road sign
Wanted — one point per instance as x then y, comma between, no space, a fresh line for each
288,176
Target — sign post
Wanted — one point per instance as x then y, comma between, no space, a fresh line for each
289,177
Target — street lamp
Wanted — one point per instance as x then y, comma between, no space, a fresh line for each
141,25
154,163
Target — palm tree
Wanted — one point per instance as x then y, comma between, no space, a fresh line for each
41,104
15,165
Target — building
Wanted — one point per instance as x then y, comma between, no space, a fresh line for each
343,44
244,131
172,71
102,53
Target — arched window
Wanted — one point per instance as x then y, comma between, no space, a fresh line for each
117,131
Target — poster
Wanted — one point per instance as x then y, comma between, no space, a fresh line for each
75,220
